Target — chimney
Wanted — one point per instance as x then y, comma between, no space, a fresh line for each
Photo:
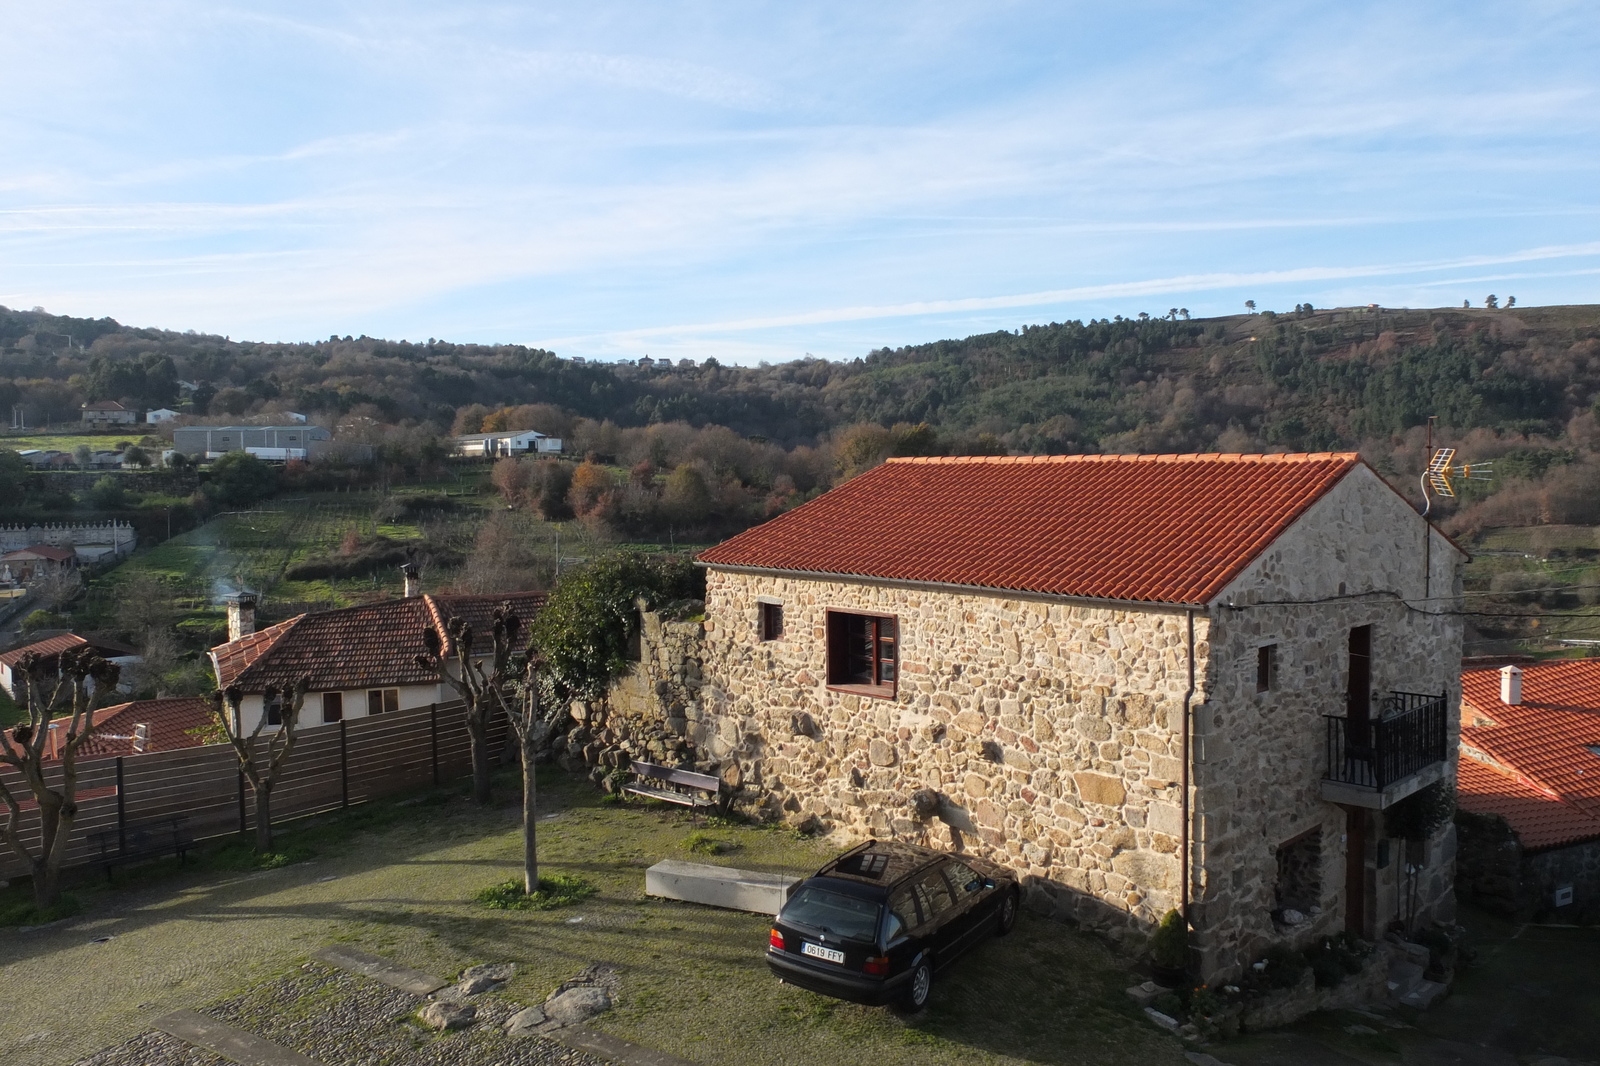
1510,685
413,582
241,615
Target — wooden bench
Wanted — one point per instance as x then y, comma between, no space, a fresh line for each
147,840
671,785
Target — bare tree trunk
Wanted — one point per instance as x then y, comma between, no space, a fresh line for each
263,818
478,734
530,818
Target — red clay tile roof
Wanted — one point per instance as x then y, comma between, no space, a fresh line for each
42,551
1539,817
357,647
1152,528
104,405
1549,738
231,658
48,647
172,724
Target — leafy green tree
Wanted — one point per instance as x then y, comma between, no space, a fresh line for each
239,479
107,495
582,632
1491,301
1250,305
687,498
555,487
83,455
136,455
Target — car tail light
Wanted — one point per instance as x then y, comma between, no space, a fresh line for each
776,940
877,965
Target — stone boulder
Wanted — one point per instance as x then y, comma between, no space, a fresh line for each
525,1022
577,1004
442,1014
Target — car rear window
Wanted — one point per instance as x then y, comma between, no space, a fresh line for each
834,912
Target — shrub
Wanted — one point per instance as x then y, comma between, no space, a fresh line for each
561,890
702,843
1169,944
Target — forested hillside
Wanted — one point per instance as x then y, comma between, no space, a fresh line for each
1518,385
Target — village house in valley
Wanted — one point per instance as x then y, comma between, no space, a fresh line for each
1143,682
360,660
1530,789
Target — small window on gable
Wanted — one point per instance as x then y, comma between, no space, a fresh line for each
771,621
332,706
274,710
380,700
1267,668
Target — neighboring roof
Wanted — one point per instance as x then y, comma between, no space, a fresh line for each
1548,740
1149,528
48,647
356,647
104,405
42,551
173,724
1539,817
499,436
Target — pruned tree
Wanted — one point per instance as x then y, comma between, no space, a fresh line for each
48,684
261,768
482,690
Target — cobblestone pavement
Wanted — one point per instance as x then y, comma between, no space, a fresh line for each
343,1020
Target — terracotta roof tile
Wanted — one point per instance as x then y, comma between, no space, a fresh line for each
357,647
48,647
172,724
1539,817
42,551
1153,528
1551,738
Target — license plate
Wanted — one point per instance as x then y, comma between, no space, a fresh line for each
819,952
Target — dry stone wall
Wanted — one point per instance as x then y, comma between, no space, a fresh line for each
1044,735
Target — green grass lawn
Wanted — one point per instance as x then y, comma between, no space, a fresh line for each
398,880
62,442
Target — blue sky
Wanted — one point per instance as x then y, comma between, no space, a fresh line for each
758,181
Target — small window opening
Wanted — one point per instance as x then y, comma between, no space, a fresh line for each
332,706
274,710
1267,668
635,649
1299,886
771,621
381,700
862,650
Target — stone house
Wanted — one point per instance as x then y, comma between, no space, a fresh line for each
1529,790
361,660
1145,683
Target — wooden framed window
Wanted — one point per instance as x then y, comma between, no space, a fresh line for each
770,623
332,706
380,700
1267,668
273,709
863,653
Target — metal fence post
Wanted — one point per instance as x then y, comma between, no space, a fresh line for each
433,725
122,811
242,816
344,765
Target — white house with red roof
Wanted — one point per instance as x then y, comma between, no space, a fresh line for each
360,660
1529,789
1145,683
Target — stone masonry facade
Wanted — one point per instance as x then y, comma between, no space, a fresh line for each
1048,734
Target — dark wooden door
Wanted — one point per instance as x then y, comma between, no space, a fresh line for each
1355,871
1358,692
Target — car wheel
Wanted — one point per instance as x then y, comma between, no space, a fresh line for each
918,989
1008,914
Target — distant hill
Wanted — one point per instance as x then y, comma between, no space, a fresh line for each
1518,383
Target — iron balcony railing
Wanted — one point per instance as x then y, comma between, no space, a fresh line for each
1409,734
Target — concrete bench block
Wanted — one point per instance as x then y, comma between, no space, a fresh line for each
719,886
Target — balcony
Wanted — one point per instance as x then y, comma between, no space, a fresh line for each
1382,761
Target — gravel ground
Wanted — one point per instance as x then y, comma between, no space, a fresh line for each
343,1020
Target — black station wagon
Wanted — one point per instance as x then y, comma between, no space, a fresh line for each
875,924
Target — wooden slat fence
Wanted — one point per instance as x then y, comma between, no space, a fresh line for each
332,766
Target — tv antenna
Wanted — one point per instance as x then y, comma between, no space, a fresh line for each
1442,468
